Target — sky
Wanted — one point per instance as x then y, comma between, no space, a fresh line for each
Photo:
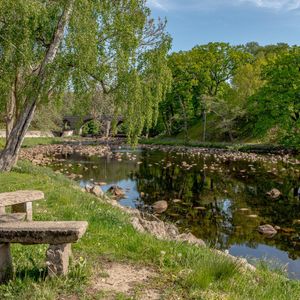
196,22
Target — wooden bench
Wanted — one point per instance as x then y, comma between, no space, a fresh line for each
20,202
59,235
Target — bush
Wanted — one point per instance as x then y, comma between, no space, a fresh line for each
91,128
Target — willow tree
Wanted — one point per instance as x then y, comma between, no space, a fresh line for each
49,47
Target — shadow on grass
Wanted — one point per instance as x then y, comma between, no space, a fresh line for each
34,274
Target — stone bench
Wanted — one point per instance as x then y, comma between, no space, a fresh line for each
20,202
59,235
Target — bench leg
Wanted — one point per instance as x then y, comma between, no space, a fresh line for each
2,210
57,259
23,208
6,267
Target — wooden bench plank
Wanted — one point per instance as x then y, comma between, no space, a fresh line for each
53,233
18,197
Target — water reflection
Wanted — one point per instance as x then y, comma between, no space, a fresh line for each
220,201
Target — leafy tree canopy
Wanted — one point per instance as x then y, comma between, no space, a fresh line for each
277,102
109,46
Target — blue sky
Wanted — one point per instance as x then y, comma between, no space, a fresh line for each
193,22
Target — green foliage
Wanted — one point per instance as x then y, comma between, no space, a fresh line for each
114,48
277,102
228,93
201,79
91,128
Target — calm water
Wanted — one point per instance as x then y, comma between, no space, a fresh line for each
220,198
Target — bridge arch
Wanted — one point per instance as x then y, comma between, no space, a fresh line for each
76,123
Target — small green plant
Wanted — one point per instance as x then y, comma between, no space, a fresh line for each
91,128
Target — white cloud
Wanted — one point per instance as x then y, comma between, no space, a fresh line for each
160,4
286,5
276,4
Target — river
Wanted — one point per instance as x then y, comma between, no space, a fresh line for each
219,197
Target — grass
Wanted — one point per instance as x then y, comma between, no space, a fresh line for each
185,271
31,142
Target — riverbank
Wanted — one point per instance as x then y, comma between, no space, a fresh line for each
161,269
242,147
31,142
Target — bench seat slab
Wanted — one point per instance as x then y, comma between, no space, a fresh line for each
52,233
18,197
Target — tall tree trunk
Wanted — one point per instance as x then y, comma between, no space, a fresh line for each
204,116
108,126
9,155
204,124
11,111
186,138
167,126
230,135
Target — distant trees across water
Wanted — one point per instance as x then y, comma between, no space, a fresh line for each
225,93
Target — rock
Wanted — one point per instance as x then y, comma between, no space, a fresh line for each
162,230
116,191
160,206
159,229
137,225
67,133
72,176
288,230
253,216
176,200
243,209
191,239
274,193
241,261
267,229
97,191
88,187
200,208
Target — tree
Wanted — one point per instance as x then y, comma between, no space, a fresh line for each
232,108
50,47
218,65
181,94
201,77
277,102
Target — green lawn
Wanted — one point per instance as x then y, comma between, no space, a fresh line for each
30,142
185,271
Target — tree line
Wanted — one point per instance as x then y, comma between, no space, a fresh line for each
234,93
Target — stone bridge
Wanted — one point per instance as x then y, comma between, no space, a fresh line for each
75,123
